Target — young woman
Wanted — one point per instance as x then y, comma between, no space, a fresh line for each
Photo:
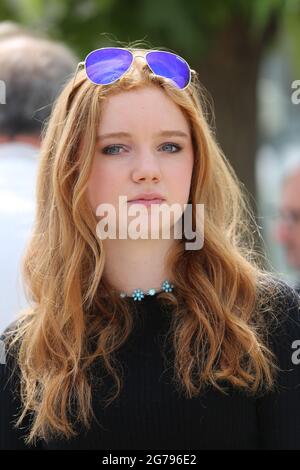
142,342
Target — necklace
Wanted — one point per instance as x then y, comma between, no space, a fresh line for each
138,294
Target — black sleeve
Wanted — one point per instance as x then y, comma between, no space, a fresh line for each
278,412
11,438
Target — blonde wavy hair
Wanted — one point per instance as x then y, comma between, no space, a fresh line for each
218,322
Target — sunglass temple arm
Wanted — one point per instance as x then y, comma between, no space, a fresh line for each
77,68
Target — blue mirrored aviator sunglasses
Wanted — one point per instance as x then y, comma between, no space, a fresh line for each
108,64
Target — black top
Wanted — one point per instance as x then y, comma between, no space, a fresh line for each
151,414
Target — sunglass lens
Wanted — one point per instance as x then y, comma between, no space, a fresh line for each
105,66
170,66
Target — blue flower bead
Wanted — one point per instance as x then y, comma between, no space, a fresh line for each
167,287
138,294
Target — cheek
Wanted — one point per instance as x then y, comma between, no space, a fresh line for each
181,180
104,186
96,186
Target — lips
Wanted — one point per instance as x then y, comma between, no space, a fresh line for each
153,197
146,202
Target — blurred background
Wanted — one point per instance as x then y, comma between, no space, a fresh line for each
247,53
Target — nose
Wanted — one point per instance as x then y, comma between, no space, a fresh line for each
146,168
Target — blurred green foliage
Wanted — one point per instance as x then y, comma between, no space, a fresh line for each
188,27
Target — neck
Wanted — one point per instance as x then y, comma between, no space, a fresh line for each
136,264
33,140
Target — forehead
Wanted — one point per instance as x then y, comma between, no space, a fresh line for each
140,108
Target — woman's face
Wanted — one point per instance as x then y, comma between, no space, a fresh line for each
139,158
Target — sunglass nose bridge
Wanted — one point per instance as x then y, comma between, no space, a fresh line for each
135,56
140,57
145,62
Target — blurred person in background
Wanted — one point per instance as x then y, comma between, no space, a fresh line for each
287,231
10,28
33,69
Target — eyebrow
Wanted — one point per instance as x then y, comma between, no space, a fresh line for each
159,134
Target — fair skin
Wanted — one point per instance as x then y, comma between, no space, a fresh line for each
287,232
142,162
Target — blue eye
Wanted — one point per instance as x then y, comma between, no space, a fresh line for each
106,150
109,149
177,147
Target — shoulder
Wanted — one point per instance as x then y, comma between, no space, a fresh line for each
278,411
282,300
286,305
8,354
11,437
283,329
9,346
